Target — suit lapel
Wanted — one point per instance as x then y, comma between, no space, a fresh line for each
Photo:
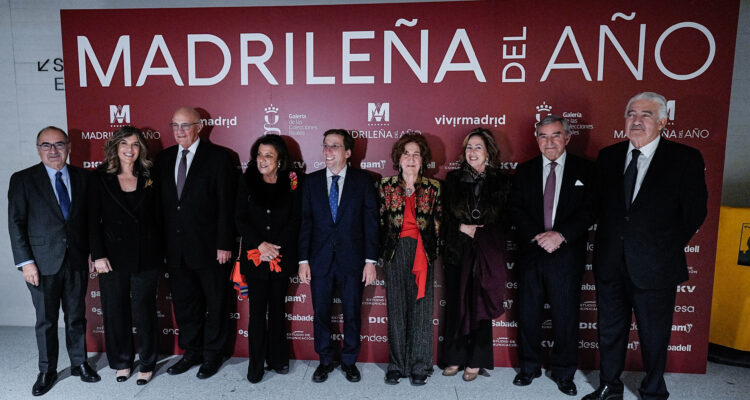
45,188
537,189
346,193
112,186
619,166
569,173
195,166
659,163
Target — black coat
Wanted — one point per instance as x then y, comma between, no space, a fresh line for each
458,200
268,213
129,236
200,222
666,213
37,228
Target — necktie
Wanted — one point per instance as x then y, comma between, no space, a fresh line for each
549,196
182,173
62,194
631,173
333,196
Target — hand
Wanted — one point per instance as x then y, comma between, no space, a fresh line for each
91,265
268,251
549,241
102,266
368,274
304,273
469,230
31,274
222,256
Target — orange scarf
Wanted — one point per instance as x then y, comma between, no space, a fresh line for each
411,229
254,256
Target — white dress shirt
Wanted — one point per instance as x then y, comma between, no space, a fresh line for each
188,157
644,160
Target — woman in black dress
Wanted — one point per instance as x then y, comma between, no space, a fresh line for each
125,242
268,213
474,204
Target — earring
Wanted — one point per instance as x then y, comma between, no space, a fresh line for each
278,164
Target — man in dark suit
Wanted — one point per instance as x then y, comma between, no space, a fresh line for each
48,235
338,246
653,195
197,193
552,209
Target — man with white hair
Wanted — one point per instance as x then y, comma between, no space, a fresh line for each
652,194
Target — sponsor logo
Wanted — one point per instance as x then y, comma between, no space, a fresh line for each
95,294
377,320
372,164
380,133
119,115
436,322
680,347
589,246
442,303
171,331
548,344
684,309
337,337
373,338
91,165
160,314
235,315
483,120
504,342
692,270
337,319
508,304
547,324
299,335
270,119
588,305
542,109
337,300
99,329
510,265
297,299
584,344
96,310
220,121
587,325
294,279
588,286
242,333
511,285
378,300
682,328
693,249
589,267
574,118
299,126
504,324
685,288
378,114
297,317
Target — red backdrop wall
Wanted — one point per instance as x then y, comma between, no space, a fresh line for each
440,69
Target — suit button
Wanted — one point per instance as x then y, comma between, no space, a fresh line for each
268,228
268,211
622,237
627,219
178,231
65,240
178,208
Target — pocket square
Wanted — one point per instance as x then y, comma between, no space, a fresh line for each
578,183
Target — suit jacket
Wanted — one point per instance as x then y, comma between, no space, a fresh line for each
269,213
667,211
574,214
353,237
201,221
129,236
391,196
37,228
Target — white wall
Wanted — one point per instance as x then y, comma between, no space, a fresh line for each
30,34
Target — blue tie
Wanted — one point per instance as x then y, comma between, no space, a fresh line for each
333,196
62,194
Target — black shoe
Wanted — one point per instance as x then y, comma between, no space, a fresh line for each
183,365
44,382
282,371
567,386
418,379
254,376
605,392
392,377
321,373
143,378
352,373
209,368
524,379
86,373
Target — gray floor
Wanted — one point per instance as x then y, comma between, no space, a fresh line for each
20,369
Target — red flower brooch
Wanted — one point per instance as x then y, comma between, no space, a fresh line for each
293,180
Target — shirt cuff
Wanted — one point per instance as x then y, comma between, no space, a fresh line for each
20,265
367,260
303,262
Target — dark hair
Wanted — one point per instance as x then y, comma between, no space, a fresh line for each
53,128
278,144
111,158
493,152
551,119
348,139
400,147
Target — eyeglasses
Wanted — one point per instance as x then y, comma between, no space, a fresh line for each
333,147
48,146
182,127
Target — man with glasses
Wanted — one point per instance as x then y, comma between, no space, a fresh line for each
49,238
197,191
338,246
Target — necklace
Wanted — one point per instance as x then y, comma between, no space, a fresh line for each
409,191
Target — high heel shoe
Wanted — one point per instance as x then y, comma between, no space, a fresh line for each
144,378
122,375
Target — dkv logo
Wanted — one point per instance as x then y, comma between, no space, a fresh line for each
119,114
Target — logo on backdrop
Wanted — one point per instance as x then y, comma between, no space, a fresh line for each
574,118
378,114
271,119
542,109
119,115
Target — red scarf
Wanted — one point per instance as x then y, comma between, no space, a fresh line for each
411,229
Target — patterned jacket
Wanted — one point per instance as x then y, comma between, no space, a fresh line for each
428,211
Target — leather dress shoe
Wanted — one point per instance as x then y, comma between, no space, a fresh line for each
567,386
392,377
524,379
86,373
209,368
605,392
144,378
352,373
254,376
44,382
418,379
283,370
183,365
451,370
321,373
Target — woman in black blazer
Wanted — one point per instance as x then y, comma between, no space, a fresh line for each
268,214
125,244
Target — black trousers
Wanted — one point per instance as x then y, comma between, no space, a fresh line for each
546,280
473,350
66,288
267,337
617,301
129,296
410,346
199,298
